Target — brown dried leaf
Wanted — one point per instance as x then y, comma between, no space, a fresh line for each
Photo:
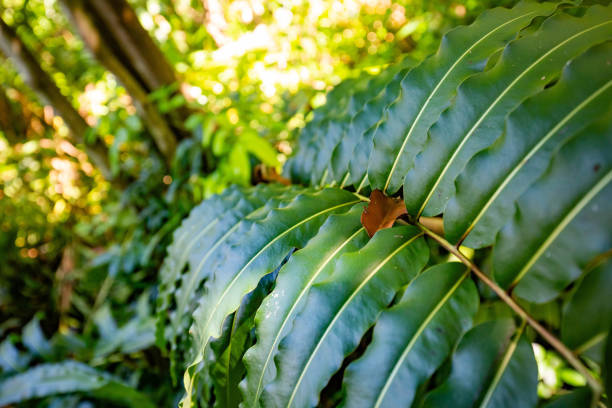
266,174
381,212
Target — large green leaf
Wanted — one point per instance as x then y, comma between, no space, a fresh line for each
413,338
68,377
218,228
328,142
492,181
427,89
185,238
195,242
333,131
476,118
255,248
492,367
228,368
345,305
588,314
340,234
562,222
320,153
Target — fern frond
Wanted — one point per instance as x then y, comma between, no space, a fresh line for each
494,179
346,305
477,117
493,366
506,133
315,263
413,338
566,205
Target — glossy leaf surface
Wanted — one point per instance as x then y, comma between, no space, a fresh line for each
274,319
492,181
493,366
346,305
412,339
427,89
476,118
540,262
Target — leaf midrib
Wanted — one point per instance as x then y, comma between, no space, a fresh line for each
457,150
438,85
502,366
183,256
233,281
192,278
341,310
296,302
190,245
415,337
530,154
600,185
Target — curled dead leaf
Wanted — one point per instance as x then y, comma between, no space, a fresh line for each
267,174
381,212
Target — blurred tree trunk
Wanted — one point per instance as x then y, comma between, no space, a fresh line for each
46,89
111,30
11,120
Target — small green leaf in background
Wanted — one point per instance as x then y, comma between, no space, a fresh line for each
34,338
587,314
11,359
259,147
68,377
554,373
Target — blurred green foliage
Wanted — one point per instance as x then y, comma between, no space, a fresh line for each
80,256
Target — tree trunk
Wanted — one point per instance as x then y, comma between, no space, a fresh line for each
144,56
111,30
11,120
134,43
42,84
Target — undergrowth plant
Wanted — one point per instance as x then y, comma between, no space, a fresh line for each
499,146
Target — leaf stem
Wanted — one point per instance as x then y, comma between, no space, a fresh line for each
504,296
362,197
